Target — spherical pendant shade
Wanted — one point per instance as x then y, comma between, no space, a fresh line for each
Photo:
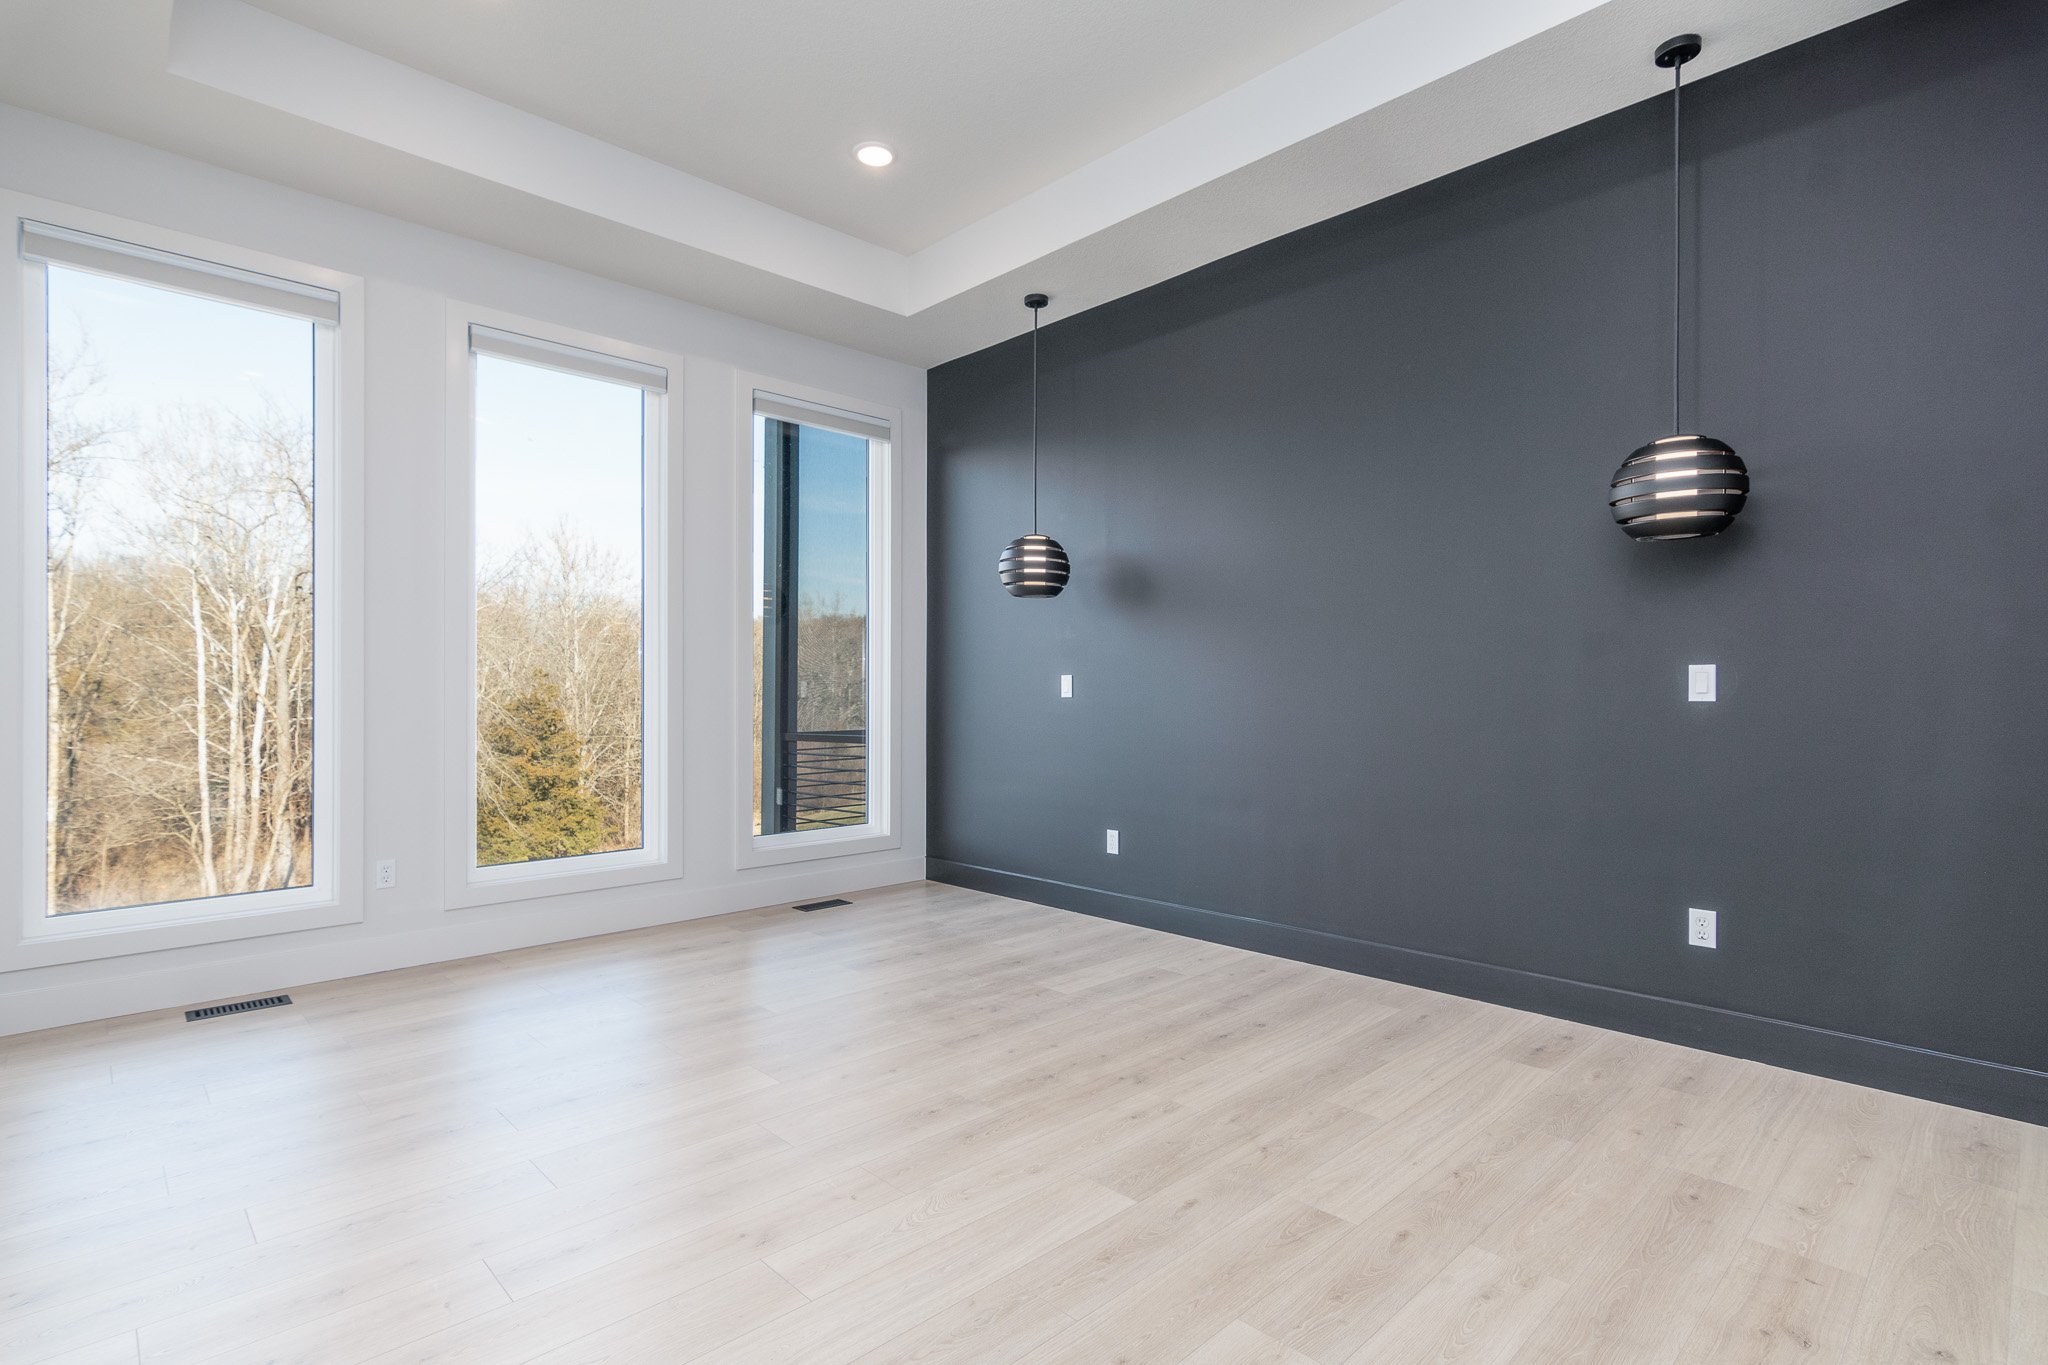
1033,566
1678,487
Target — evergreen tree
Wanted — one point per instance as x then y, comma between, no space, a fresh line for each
534,800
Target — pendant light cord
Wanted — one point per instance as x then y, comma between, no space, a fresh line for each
1034,421
1677,236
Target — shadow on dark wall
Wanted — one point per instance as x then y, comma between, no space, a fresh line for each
1130,584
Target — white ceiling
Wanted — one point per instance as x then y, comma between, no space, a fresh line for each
982,100
1087,149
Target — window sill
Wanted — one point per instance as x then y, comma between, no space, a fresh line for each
48,946
774,850
472,888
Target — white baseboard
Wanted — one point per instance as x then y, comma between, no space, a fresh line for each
460,934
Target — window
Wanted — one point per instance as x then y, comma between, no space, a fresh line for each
565,624
816,473
183,542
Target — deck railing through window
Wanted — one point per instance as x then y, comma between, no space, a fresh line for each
828,778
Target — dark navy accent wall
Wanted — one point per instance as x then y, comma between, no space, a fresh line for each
1364,672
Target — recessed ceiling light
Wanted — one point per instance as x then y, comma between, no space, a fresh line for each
873,154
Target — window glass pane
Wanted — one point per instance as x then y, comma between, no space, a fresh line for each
180,596
810,627
559,580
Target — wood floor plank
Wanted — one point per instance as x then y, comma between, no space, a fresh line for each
1015,1314
364,1330
1630,1301
348,1304
897,1295
1092,1271
1585,1087
1480,1311
28,1284
704,1317
941,1126
1294,1084
279,1213
832,1259
1406,1147
1750,1134
1239,1344
1776,1308
1830,1203
1180,1307
1646,1127
564,1255
2029,1337
2030,1248
1550,1044
680,1271
432,1235
119,1350
995,1325
1973,1146
46,1202
1331,1309
1940,1283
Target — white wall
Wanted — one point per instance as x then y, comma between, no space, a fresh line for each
411,276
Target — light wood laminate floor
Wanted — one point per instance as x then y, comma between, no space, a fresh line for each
942,1126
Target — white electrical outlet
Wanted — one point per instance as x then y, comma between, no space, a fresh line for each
1111,841
1700,682
1702,929
387,874
1066,684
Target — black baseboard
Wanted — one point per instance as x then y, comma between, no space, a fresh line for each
1992,1087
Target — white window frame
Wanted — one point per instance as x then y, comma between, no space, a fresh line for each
659,858
335,894
883,830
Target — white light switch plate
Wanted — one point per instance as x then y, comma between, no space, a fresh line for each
1066,684
1702,928
1700,682
1111,841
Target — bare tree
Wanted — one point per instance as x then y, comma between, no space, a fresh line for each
80,701
179,647
227,541
832,665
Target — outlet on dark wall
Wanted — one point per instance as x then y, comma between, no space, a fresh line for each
1373,678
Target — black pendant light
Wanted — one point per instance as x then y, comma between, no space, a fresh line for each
1034,565
1678,486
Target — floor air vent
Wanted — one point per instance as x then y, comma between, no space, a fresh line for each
824,905
238,1007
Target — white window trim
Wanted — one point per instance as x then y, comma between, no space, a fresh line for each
465,884
883,831
336,894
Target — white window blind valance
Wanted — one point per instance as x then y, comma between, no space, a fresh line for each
187,274
829,419
554,355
